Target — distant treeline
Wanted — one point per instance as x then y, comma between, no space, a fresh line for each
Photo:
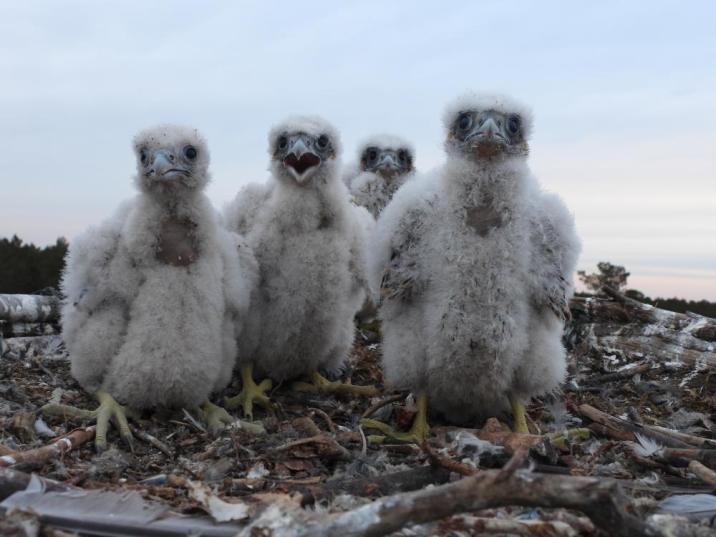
25,268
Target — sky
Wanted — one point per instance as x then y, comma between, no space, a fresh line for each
623,93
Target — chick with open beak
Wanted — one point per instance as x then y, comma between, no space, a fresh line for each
302,154
311,250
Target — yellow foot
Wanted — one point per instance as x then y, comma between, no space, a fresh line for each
215,417
108,409
518,411
418,430
250,392
559,439
319,383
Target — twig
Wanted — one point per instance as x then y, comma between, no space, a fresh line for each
694,440
192,421
439,461
54,450
149,439
380,404
705,456
364,442
705,474
619,375
326,418
625,430
323,439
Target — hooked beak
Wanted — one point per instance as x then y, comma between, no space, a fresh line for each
489,132
301,162
164,169
488,140
388,165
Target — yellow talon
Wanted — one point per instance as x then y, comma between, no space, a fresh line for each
216,418
418,431
250,392
319,383
108,409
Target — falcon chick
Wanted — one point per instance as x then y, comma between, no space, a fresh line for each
310,247
155,294
385,163
475,269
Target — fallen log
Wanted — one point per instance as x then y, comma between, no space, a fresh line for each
10,329
29,308
639,331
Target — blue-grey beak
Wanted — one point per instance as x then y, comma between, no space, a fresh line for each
301,161
164,168
488,131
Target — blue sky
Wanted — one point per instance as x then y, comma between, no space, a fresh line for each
624,96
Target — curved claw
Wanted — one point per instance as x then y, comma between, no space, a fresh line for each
109,409
319,383
249,393
216,418
418,430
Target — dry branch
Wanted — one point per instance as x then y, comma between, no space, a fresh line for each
600,499
54,450
705,474
625,430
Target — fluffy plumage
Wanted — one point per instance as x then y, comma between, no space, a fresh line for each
475,267
310,246
384,163
156,293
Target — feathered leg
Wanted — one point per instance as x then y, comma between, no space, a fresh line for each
418,430
108,409
250,392
319,383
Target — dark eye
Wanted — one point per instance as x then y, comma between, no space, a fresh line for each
401,155
464,122
372,155
190,152
513,124
322,141
282,142
143,156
